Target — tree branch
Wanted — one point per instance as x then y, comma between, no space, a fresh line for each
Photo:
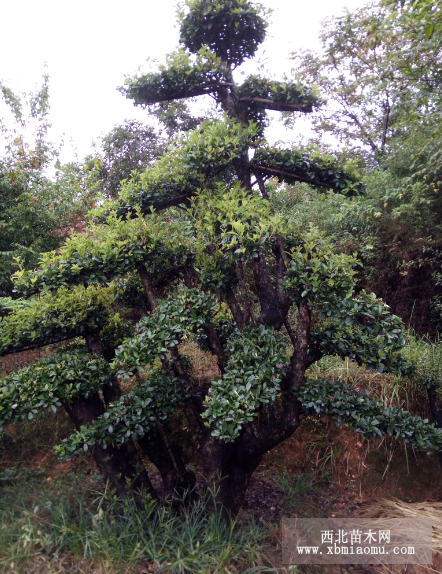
271,171
278,106
200,91
298,360
268,296
244,299
148,287
234,307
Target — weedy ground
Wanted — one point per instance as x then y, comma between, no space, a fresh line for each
58,517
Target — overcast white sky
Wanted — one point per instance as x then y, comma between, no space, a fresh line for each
89,46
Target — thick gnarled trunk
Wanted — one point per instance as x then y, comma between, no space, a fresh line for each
231,465
177,480
229,472
121,466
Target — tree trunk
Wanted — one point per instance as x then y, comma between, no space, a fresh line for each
168,460
271,313
215,346
234,306
234,478
230,468
111,391
118,465
231,465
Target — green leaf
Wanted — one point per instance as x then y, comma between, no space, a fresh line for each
428,30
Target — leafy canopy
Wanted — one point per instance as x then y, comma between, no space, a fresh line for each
233,29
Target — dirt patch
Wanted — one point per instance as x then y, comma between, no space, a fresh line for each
357,468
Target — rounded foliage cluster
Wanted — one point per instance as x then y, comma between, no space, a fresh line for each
65,314
182,313
363,329
233,29
188,165
294,93
181,77
317,273
323,171
234,221
252,378
50,382
94,256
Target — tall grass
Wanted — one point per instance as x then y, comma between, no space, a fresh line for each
70,519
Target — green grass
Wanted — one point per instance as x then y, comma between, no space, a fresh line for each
294,488
68,518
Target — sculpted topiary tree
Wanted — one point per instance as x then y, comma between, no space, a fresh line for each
266,300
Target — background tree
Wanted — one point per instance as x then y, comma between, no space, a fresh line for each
130,147
175,116
355,70
267,300
379,69
36,211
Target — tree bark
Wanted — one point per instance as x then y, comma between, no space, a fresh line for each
271,313
168,460
215,346
277,106
231,465
247,312
234,307
272,171
111,391
299,357
148,288
233,479
118,465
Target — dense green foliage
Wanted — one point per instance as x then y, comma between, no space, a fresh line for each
50,382
236,223
252,378
317,274
175,317
36,212
183,76
205,242
188,164
318,170
127,148
133,416
93,257
233,29
7,304
369,416
296,94
65,314
364,330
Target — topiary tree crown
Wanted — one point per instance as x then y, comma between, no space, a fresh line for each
265,298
